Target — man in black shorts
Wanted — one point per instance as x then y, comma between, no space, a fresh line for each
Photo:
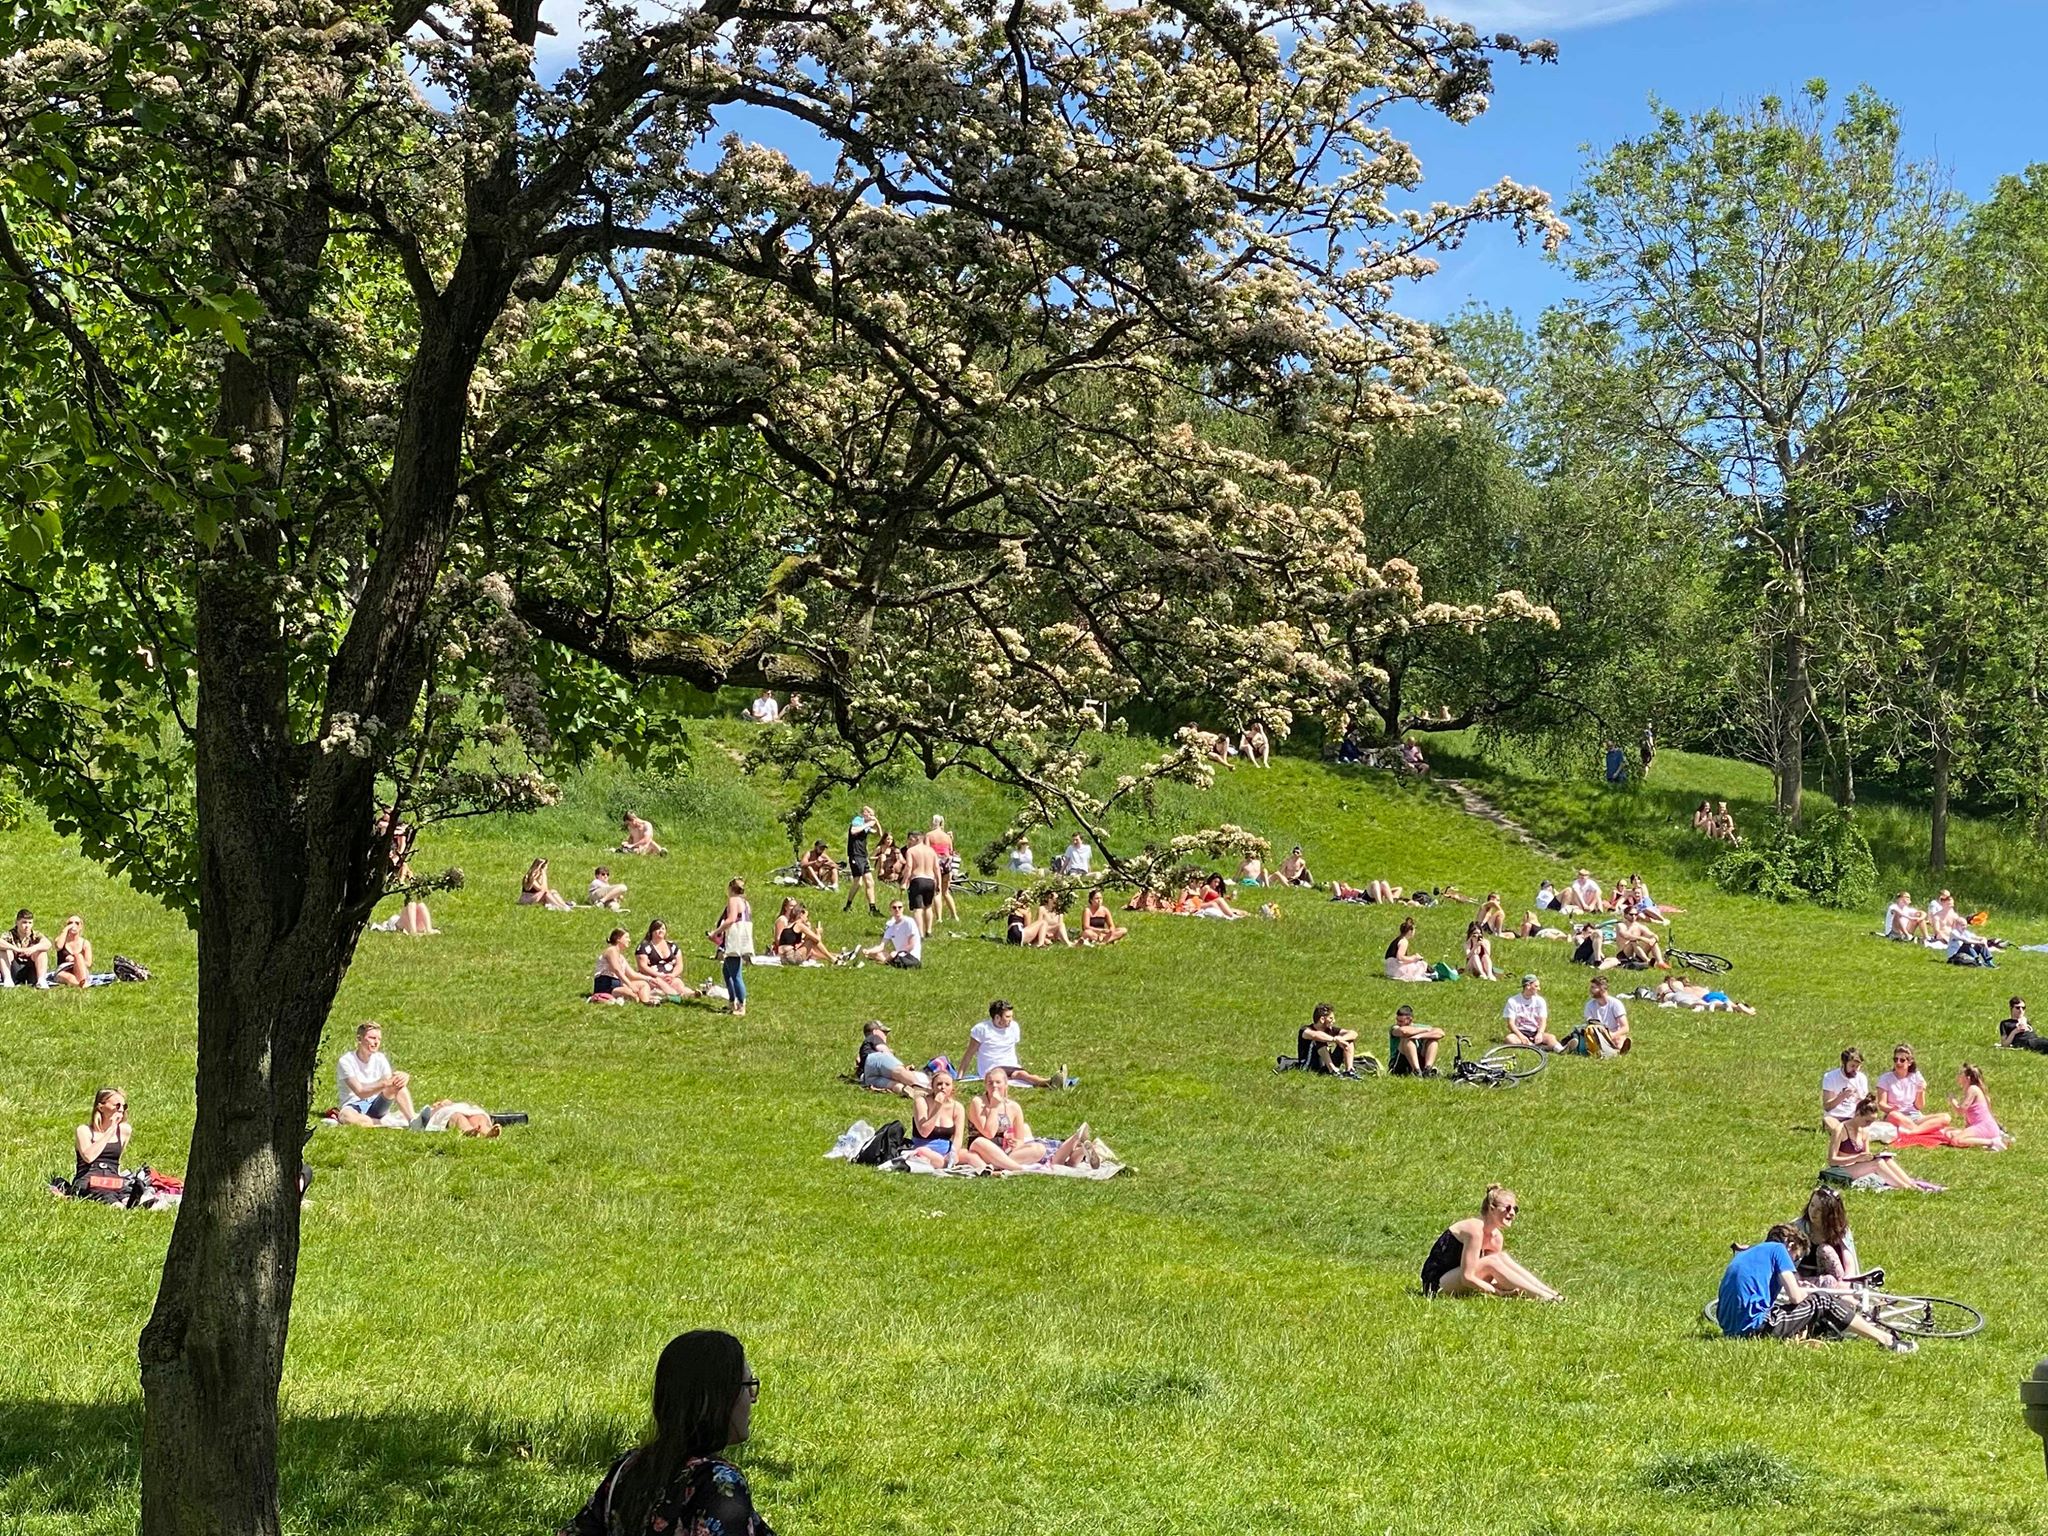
861,874
921,880
1412,1047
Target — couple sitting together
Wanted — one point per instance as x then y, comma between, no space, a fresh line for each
1797,1283
1049,925
1603,1033
371,1093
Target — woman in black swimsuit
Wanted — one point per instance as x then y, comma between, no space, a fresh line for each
1470,1257
797,939
100,1144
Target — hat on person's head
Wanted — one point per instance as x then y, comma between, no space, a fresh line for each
874,1027
1530,976
941,1064
1404,1009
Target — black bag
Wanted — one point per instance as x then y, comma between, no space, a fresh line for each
904,960
886,1143
127,970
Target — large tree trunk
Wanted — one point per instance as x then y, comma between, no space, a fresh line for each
1788,770
1944,762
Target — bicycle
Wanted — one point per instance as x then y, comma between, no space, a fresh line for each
1920,1317
1702,960
1502,1066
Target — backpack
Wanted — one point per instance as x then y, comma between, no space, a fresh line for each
127,970
886,1143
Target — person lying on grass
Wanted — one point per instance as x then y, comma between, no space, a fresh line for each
1206,899
2016,1033
678,1483
603,892
24,953
1323,1047
938,1121
1412,1047
1145,899
1372,893
902,940
1469,1257
1479,954
463,1119
1003,1137
1980,1126
798,940
1903,1093
1294,870
1762,1296
1683,992
1097,925
1402,963
1528,1017
993,1042
882,1069
640,836
617,978
364,1084
534,890
819,868
1850,1151
72,957
658,961
1605,1030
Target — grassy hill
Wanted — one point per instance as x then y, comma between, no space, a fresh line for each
1231,1337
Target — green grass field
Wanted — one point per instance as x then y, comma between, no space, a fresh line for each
1229,1338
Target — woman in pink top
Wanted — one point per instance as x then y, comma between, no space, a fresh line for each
1980,1126
1903,1092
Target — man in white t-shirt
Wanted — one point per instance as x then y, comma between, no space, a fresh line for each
1605,1032
364,1083
1528,1016
993,1043
1903,920
765,709
1844,1087
902,941
1585,894
1075,858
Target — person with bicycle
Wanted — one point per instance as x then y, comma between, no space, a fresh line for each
1412,1047
1528,1016
1469,1257
1762,1295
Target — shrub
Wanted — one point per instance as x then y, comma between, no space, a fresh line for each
1829,862
1739,1477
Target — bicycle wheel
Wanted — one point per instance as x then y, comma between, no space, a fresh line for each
980,887
1926,1317
1480,1074
1700,960
1516,1061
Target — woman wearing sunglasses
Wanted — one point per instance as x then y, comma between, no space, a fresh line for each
1470,1256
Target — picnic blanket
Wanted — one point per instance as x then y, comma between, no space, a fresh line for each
858,1134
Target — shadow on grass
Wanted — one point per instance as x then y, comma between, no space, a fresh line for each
77,1466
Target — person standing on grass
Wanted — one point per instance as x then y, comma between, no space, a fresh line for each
921,880
1616,764
942,847
1647,751
1528,1016
678,1483
860,873
1762,1296
734,936
1469,1257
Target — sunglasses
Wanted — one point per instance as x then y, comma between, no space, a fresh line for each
753,1388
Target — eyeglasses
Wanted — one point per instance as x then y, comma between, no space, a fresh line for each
1508,1210
753,1388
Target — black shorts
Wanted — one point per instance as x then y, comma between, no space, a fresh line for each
857,865
923,891
24,972
604,986
904,960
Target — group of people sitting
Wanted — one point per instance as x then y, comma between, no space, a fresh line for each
1864,1125
1715,821
1586,897
1801,1282
1044,925
989,1131
536,890
368,1092
1407,757
652,972
1251,743
30,959
1941,926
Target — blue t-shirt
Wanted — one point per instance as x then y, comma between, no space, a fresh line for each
1748,1287
1614,765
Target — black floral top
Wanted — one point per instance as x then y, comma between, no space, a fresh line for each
707,1497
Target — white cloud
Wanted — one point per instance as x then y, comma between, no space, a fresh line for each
1539,17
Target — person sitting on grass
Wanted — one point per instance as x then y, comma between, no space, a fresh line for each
880,1068
1252,870
902,941
1903,1093
24,953
1411,758
1372,893
99,1144
2016,1033
1605,1030
1003,1137
939,1131
1479,953
659,962
993,1042
678,1483
72,956
1589,947
364,1083
1683,992
1841,1088
640,836
1402,963
1904,921
1724,825
534,890
1762,1296
603,892
1547,898
1965,948
1636,945
616,978
1528,1017
1703,819
1412,1047
889,859
1830,1257
1098,926
1254,746
1493,917
1980,1126
798,940
1583,895
1850,1151
1469,1257
1294,870
818,867
1047,927
1323,1047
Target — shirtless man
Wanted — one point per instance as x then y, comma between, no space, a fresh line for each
640,836
921,881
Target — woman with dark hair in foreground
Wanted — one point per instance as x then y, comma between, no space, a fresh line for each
679,1483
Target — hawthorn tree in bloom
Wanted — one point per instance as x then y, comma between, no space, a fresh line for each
383,392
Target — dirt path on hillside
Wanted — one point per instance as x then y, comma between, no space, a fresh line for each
1475,804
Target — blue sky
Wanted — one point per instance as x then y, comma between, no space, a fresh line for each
1964,75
